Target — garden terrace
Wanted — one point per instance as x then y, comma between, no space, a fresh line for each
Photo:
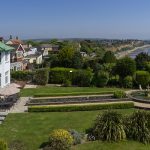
28,126
73,100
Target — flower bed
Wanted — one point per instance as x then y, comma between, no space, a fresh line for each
70,100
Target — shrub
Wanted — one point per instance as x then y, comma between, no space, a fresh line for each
83,78
109,127
137,127
3,145
86,107
119,94
67,83
60,139
22,75
102,79
142,78
114,81
128,82
125,67
77,137
41,76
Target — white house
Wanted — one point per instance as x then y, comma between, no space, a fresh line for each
4,64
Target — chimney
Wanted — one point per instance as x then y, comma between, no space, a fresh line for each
10,37
1,39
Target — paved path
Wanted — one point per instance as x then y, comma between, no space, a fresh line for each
20,106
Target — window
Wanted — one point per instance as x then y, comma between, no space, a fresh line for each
6,56
6,77
19,54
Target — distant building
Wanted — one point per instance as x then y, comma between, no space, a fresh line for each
4,64
47,48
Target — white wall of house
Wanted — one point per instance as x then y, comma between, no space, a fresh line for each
4,69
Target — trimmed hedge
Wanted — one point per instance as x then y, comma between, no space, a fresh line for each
41,76
80,77
87,107
22,75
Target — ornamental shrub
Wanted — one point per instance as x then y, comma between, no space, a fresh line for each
142,78
128,82
77,137
83,78
41,76
60,139
119,94
3,145
102,79
109,127
137,127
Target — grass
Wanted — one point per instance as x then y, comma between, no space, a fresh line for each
33,128
63,91
125,145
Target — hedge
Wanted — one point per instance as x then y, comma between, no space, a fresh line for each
41,76
22,75
86,107
80,77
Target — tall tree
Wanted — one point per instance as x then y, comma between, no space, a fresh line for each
141,60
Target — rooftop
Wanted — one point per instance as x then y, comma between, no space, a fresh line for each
4,47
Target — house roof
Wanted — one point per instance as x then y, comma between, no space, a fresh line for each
16,42
4,47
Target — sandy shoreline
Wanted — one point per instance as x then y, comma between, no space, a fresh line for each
125,53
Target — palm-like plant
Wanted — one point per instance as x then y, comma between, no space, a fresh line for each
109,127
137,127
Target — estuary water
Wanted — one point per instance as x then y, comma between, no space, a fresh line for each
140,50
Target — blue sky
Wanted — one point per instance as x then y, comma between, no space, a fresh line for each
75,18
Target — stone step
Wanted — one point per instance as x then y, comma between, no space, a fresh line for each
2,118
3,114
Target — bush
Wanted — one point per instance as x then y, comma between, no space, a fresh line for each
142,78
119,94
109,127
128,82
114,81
83,78
77,137
41,76
67,83
3,145
102,79
60,139
137,127
22,75
125,67
86,107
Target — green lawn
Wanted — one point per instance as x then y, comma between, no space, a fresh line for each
125,145
33,128
58,90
